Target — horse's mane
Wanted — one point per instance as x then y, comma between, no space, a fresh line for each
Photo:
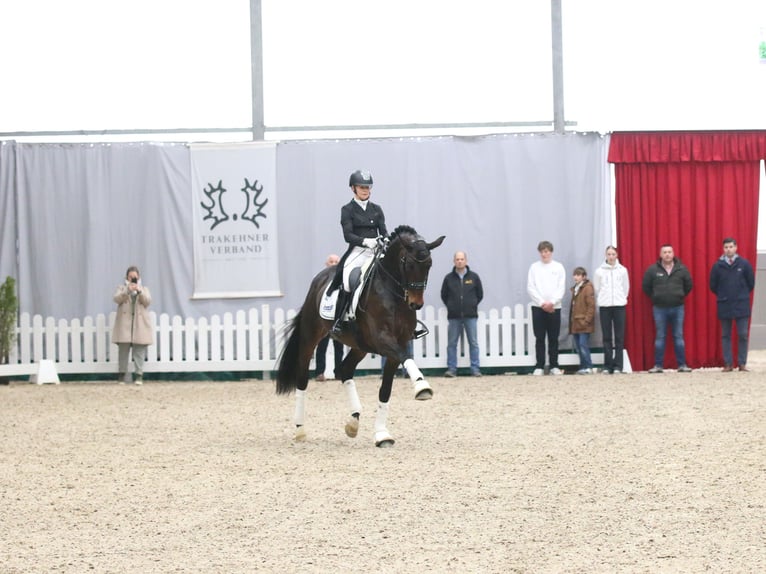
402,229
413,240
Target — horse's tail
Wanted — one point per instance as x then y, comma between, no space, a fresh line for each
287,372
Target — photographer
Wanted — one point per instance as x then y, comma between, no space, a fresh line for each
132,327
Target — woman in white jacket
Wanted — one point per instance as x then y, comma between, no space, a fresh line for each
612,286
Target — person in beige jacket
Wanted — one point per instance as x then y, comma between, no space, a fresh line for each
132,327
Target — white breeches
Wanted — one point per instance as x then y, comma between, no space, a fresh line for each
358,257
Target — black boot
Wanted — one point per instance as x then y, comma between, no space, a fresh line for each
340,311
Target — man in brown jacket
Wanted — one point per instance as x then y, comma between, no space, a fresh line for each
132,326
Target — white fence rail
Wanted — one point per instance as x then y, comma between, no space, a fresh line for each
250,341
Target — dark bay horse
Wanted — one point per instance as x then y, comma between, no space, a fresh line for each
385,323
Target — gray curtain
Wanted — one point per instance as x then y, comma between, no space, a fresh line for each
87,211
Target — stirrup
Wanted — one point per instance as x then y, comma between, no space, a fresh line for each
420,333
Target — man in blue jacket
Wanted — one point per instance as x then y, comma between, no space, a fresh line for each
667,282
732,280
461,293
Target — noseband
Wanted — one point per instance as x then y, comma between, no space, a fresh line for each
405,286
412,285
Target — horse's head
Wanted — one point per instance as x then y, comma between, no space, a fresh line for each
408,261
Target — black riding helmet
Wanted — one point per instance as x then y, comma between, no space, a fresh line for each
360,177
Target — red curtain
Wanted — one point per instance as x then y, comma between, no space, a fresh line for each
689,189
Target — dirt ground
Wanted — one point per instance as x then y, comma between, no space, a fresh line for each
629,473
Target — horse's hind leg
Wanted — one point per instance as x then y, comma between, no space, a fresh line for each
300,415
312,333
347,369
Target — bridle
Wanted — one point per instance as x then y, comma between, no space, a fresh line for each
405,286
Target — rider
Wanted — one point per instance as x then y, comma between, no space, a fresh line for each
362,222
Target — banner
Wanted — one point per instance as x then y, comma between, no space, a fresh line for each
235,220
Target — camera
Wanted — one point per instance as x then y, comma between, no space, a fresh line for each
134,279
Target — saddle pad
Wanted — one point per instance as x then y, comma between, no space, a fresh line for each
327,306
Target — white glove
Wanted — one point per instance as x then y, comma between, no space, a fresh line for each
369,243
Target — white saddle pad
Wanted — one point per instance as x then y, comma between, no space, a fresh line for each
327,306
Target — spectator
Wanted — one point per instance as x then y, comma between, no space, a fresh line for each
667,283
582,316
321,352
612,286
732,280
461,293
546,283
132,326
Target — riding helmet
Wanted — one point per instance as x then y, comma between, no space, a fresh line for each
360,177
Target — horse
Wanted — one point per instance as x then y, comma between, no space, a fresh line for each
385,322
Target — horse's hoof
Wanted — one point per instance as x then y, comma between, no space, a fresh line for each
352,427
300,434
422,389
383,439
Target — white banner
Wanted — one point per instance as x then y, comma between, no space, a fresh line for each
235,220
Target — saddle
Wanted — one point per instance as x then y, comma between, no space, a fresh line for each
356,281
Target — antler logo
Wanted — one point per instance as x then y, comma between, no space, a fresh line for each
252,201
215,212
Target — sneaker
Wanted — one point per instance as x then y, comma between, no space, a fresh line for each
139,380
584,372
538,372
476,374
606,372
556,371
450,374
728,368
744,369
617,372
655,369
321,378
684,369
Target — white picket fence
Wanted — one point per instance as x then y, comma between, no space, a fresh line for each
250,341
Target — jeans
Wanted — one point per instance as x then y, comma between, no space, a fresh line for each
742,332
613,320
674,316
454,330
582,346
546,324
321,355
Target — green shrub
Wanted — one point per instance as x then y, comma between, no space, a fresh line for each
9,305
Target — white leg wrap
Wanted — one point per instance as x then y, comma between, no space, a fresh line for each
419,384
413,371
353,396
300,407
381,419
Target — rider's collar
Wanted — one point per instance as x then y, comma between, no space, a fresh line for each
362,204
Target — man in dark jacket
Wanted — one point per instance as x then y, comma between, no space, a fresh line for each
461,293
732,280
667,282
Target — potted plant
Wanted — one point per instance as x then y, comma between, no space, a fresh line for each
9,305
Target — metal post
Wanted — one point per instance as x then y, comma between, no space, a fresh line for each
256,68
557,53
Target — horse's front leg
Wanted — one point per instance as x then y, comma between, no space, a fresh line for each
423,390
382,437
346,372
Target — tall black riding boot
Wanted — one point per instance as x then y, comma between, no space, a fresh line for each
340,310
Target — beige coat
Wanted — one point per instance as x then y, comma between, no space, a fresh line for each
130,327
